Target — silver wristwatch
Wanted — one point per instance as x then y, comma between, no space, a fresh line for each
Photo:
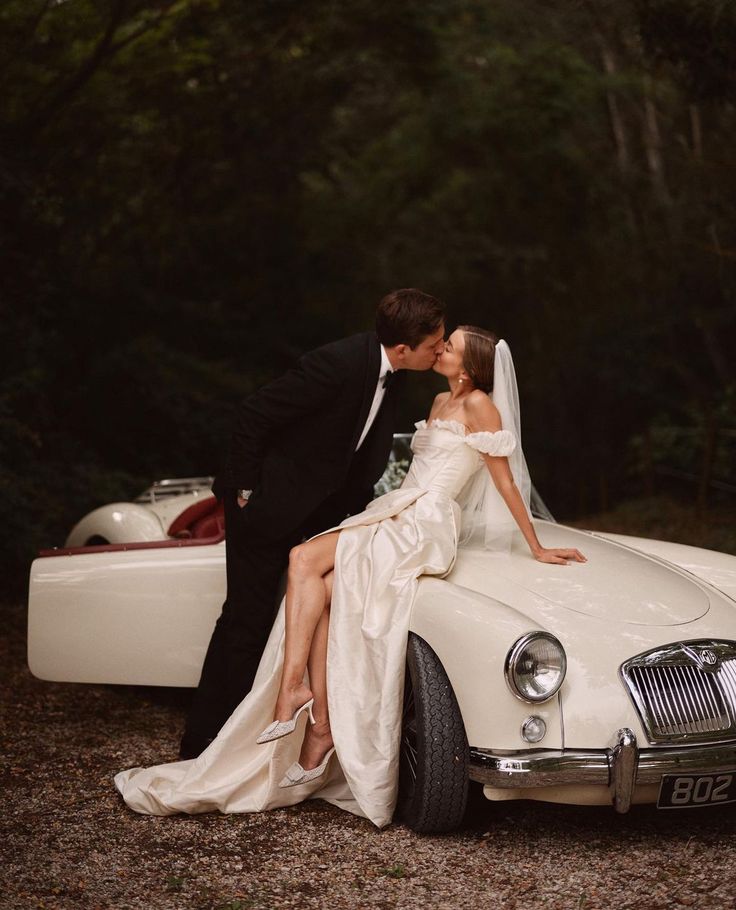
244,494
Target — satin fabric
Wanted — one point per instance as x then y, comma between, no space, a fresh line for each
380,555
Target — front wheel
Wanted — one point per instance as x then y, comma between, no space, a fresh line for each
433,778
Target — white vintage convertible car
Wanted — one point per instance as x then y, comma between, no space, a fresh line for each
612,682
182,507
168,508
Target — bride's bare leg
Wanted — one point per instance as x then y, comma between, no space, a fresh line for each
318,738
305,602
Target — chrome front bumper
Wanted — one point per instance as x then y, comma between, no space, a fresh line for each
622,767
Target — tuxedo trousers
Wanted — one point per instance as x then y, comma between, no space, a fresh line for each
255,570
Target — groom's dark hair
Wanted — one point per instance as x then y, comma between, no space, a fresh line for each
407,316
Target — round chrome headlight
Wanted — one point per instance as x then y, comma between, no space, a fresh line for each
536,666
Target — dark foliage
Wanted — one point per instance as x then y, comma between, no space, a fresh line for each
194,192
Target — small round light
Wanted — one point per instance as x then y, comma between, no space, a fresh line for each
533,729
535,667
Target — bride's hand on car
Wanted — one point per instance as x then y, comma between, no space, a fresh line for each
559,556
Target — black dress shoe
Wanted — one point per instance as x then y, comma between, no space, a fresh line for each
192,745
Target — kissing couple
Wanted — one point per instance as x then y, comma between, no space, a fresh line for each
310,705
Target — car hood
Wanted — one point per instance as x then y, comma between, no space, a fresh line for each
617,584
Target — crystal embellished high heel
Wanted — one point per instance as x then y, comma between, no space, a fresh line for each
297,775
281,728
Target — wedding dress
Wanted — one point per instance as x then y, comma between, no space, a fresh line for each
380,555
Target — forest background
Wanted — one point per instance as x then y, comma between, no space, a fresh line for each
195,192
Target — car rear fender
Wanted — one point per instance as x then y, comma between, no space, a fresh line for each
132,617
118,522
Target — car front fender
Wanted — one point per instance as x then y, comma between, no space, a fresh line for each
472,634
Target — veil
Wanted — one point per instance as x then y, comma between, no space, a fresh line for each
486,519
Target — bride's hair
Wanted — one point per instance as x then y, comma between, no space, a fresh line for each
480,351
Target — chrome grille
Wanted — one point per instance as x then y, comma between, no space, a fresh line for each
685,691
681,700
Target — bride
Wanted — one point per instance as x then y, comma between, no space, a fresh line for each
323,718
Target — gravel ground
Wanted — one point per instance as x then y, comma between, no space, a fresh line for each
68,841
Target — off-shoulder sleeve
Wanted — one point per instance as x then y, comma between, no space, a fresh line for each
502,442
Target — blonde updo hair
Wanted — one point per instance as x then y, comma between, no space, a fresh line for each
478,359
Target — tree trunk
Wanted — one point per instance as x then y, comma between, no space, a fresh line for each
709,451
696,131
653,145
649,488
617,124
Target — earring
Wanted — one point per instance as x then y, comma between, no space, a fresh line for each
461,380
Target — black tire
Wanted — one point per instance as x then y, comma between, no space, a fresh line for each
433,777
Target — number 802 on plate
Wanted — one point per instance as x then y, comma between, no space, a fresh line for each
683,791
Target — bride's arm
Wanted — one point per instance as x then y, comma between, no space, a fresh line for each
482,416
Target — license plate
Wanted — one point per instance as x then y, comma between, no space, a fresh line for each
683,791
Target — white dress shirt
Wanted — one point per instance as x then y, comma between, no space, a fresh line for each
378,395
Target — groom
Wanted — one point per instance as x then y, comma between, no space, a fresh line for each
305,452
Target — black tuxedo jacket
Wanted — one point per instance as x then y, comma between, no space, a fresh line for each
294,440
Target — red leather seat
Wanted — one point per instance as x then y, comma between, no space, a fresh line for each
205,518
211,526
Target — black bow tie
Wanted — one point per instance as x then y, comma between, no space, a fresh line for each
388,378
